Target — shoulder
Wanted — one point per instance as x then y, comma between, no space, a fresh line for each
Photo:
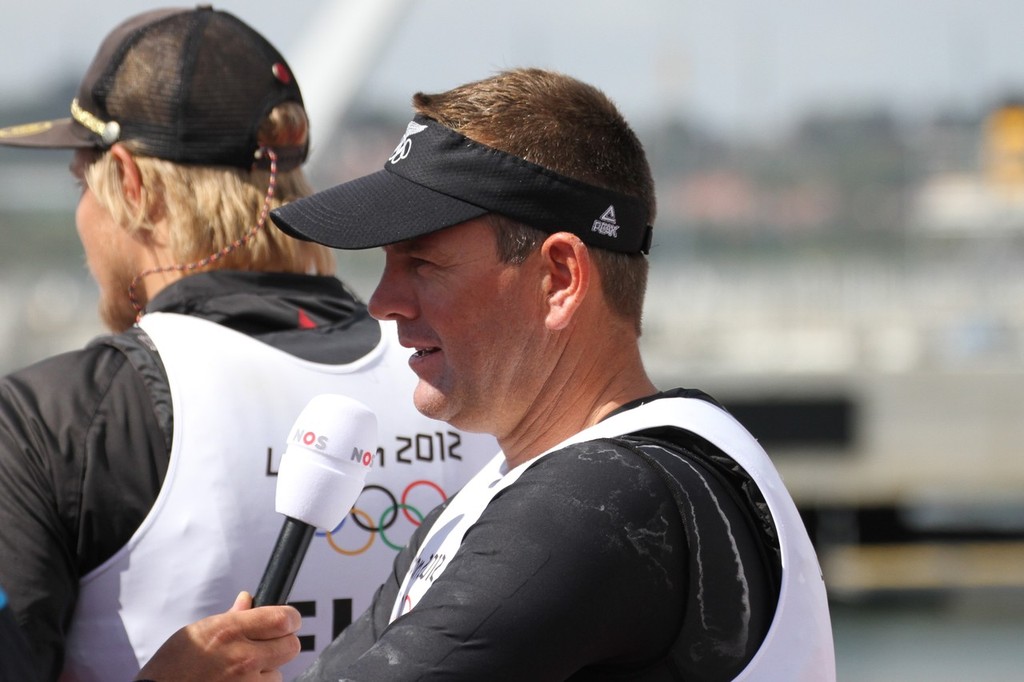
592,468
675,480
55,412
79,429
597,490
46,410
64,384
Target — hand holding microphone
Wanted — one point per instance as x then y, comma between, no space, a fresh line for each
330,450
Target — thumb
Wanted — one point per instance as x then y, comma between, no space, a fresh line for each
243,602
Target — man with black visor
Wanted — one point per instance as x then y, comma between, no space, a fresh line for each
623,532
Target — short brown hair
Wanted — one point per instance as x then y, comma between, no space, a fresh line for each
570,127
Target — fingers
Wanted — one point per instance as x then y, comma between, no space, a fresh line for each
240,644
266,622
271,676
273,653
254,640
269,622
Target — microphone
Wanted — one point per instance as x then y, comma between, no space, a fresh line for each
322,472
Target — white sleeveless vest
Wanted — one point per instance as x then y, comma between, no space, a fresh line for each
798,646
211,530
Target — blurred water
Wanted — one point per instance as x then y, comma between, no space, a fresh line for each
935,637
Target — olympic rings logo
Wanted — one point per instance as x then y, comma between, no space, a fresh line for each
382,523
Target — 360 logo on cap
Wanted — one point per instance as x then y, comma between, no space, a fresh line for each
405,144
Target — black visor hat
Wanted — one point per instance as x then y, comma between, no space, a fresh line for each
437,178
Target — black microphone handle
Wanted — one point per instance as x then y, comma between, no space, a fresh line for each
285,559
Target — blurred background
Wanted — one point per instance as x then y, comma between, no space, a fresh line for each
838,252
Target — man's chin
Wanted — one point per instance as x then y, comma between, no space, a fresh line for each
116,318
430,402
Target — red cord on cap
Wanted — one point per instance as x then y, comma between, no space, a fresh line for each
214,257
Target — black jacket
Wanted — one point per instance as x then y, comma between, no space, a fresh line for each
85,436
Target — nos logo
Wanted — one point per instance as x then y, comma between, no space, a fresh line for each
363,457
310,439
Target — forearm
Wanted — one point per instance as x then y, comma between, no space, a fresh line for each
79,470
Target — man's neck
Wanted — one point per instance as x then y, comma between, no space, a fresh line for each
564,408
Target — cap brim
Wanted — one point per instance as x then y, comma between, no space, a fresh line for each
374,210
62,133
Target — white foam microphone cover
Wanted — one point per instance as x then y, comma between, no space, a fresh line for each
330,450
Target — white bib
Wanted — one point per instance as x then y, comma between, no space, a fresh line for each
211,530
798,645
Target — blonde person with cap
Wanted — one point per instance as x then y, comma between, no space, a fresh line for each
137,475
624,532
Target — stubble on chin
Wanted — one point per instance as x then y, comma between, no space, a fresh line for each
456,411
429,401
116,312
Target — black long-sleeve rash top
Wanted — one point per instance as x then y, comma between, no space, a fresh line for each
589,567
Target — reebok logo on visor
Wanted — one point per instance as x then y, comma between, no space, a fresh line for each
606,224
405,144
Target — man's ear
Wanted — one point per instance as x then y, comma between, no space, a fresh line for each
142,204
131,178
567,276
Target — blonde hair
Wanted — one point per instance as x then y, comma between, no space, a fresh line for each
210,207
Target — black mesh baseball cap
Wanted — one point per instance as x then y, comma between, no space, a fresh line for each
185,85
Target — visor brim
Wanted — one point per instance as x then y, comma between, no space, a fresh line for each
62,133
375,210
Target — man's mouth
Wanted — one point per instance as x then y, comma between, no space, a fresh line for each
423,352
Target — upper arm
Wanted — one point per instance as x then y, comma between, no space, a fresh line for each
38,566
81,462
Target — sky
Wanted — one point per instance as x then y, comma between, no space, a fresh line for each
741,67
